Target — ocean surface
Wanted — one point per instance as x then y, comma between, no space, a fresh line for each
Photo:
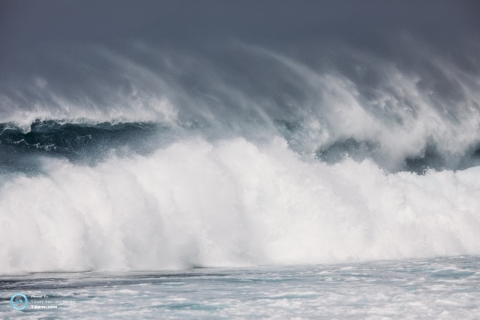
261,159
435,288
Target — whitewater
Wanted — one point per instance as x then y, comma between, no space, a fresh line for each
231,203
153,182
182,177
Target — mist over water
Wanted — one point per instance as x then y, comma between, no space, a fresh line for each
144,155
400,119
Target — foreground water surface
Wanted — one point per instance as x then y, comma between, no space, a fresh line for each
441,288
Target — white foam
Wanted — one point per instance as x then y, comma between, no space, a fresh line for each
232,203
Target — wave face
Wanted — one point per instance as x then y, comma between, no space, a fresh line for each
265,148
80,142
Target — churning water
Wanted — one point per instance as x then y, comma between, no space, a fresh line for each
436,288
249,182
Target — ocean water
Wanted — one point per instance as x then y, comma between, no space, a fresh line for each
351,210
257,159
341,213
435,288
198,202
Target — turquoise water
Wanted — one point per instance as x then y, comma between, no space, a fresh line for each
440,288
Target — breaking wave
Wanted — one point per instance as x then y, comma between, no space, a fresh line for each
220,168
231,203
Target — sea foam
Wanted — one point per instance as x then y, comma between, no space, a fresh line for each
230,203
